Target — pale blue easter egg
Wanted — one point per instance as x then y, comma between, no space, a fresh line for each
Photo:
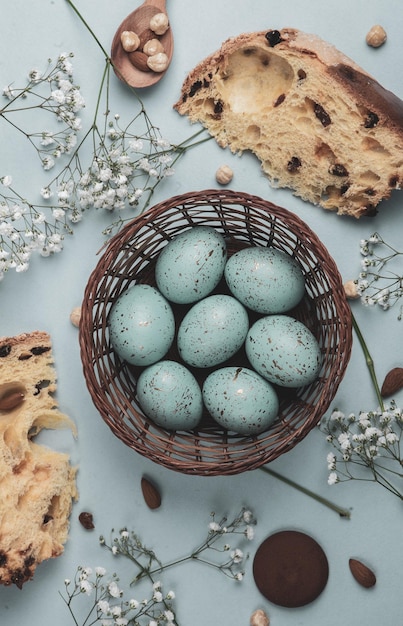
240,400
141,325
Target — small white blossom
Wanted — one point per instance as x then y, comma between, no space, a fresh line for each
103,606
249,533
86,587
6,181
332,479
114,590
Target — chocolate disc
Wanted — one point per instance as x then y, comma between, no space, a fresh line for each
290,569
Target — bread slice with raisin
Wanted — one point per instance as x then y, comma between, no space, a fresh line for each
318,123
37,484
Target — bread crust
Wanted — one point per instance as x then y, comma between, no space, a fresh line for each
37,484
337,115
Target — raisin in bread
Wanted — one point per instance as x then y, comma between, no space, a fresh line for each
37,484
318,123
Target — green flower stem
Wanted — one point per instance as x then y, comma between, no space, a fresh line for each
88,27
344,513
369,361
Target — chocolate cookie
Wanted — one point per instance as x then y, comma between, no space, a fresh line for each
290,569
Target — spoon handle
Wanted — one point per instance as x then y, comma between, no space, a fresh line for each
160,4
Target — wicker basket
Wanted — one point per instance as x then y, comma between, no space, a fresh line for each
130,258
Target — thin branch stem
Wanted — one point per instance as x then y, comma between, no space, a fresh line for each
344,513
369,361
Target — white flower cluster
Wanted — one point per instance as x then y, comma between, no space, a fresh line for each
374,285
370,440
25,227
109,607
127,162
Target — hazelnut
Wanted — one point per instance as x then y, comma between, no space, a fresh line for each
153,46
158,62
376,36
159,23
130,41
259,618
75,316
224,175
350,289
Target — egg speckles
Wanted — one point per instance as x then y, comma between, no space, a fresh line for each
191,265
170,395
240,400
141,325
283,350
266,280
212,331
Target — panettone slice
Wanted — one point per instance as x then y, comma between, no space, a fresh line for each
318,123
37,484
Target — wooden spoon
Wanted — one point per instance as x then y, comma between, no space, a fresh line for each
138,21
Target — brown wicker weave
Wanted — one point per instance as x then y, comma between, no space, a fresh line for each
130,258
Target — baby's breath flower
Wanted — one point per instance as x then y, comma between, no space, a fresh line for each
332,479
380,282
86,587
370,441
114,590
6,181
121,174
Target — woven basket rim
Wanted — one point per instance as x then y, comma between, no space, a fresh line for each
209,452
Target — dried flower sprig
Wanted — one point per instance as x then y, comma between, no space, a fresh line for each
380,282
108,606
368,445
215,544
128,159
370,441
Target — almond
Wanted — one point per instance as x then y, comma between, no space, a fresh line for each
362,574
11,400
152,496
393,382
139,60
145,36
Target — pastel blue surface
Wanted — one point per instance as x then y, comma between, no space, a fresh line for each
109,472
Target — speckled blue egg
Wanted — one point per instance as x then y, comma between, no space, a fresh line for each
212,331
240,400
283,350
191,265
266,280
141,325
170,395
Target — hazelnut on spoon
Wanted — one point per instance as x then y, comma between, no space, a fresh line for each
136,61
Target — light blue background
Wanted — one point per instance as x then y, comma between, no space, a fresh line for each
109,475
